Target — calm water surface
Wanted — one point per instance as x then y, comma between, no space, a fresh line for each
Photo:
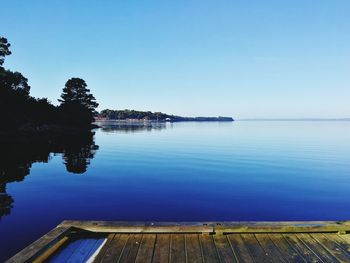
177,172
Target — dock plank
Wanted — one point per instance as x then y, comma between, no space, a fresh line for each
115,249
341,241
239,248
255,249
66,252
286,249
332,247
162,248
138,227
104,249
81,254
313,245
270,249
131,248
34,249
146,249
95,248
177,248
302,249
208,248
193,248
224,249
53,250
346,237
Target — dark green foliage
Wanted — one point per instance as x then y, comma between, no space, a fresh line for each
14,82
17,107
4,49
75,114
76,91
21,111
153,116
78,105
132,114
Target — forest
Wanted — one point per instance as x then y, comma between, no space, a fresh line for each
152,116
23,113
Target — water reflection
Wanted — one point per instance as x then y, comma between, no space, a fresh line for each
17,157
130,127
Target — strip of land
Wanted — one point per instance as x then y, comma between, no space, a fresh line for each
133,115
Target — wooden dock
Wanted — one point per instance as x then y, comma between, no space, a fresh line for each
97,241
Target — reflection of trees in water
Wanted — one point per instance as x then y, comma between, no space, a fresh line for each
130,127
77,157
16,159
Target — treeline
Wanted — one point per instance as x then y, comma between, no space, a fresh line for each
153,116
132,114
20,111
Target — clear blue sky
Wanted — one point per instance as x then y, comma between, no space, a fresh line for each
237,58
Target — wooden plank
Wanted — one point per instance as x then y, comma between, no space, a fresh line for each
282,227
96,250
52,250
129,227
39,246
224,249
313,245
104,248
302,249
146,249
286,249
341,241
270,249
332,247
208,227
239,248
256,251
346,237
131,248
162,248
116,248
208,248
177,248
81,254
193,248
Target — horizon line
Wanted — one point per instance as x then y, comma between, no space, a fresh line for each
293,119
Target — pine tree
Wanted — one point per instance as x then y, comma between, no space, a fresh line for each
78,105
4,49
76,91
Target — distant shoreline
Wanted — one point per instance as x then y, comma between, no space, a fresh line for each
181,119
135,115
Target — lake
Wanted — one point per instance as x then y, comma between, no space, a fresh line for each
244,170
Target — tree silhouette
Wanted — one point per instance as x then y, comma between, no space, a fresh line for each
4,49
19,109
76,90
78,105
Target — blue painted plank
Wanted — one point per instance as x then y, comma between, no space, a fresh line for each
82,251
94,248
65,254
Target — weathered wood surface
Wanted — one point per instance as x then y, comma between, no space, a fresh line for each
139,227
231,248
40,246
204,242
